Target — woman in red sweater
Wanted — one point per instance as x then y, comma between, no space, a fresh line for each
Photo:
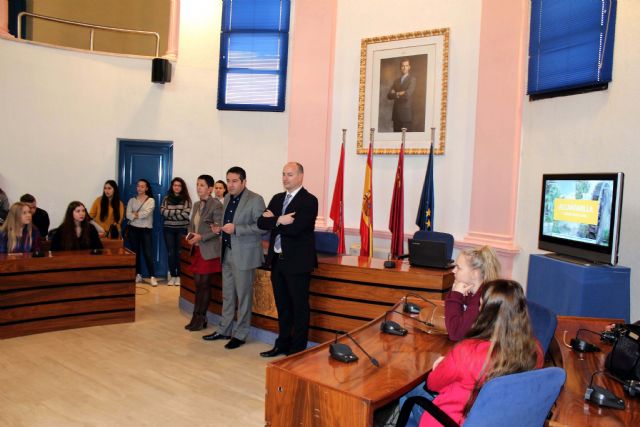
473,268
500,342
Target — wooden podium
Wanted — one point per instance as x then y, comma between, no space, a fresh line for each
313,389
345,292
64,290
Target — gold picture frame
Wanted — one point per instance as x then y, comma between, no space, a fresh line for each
386,98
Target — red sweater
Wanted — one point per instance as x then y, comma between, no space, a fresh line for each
455,377
460,312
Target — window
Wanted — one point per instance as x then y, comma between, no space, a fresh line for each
570,46
253,55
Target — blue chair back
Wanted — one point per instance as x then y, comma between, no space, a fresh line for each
435,236
522,400
327,242
544,323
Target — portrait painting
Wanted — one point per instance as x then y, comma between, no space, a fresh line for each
403,85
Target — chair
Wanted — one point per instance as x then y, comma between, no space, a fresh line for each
522,400
435,236
544,323
327,242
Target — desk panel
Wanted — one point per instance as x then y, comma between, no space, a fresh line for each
345,292
64,290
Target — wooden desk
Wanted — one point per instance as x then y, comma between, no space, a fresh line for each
312,389
65,290
346,292
571,408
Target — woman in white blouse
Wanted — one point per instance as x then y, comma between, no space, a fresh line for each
140,215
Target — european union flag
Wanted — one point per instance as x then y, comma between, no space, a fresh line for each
424,220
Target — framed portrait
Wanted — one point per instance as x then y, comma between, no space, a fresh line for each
403,84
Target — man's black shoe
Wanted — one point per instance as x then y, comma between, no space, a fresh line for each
215,336
233,343
275,351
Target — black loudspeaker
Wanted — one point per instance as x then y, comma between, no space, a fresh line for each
160,70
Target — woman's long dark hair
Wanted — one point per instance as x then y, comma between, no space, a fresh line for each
67,229
184,193
504,321
115,203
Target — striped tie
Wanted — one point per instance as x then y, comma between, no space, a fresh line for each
277,244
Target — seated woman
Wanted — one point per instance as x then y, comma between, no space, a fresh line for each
75,232
473,268
108,210
500,342
17,234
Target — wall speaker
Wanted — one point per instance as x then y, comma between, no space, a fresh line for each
160,70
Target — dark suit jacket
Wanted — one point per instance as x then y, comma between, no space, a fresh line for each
402,108
297,239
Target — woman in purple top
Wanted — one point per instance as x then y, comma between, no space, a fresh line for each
17,234
474,267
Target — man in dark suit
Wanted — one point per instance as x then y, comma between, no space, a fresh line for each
291,218
402,95
241,255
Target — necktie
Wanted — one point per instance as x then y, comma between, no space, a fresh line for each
277,244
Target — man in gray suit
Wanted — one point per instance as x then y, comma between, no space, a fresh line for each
241,255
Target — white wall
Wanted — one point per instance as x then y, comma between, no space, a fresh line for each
360,19
596,132
62,111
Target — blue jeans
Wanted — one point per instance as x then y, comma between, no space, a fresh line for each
417,411
173,240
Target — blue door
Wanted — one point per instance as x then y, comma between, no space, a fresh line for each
153,161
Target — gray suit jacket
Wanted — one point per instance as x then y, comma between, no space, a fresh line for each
212,212
246,241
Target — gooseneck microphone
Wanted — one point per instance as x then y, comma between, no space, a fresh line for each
413,308
602,396
583,346
343,352
391,327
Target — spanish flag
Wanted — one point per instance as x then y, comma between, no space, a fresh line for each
366,217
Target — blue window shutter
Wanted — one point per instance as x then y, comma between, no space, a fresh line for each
253,55
571,44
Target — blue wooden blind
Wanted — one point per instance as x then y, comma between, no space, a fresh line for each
253,55
570,45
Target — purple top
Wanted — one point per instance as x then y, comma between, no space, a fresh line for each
460,312
22,246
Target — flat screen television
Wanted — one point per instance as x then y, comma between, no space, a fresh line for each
580,215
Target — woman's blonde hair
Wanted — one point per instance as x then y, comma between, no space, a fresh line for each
485,260
12,226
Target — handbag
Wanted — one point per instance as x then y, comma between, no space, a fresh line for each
624,359
113,232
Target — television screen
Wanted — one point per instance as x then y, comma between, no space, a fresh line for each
580,215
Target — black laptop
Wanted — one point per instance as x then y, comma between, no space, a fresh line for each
429,253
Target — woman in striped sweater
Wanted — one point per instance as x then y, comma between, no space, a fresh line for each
175,209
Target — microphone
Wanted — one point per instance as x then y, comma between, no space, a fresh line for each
391,327
583,346
343,352
411,307
602,396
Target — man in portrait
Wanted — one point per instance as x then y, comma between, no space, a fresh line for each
402,95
